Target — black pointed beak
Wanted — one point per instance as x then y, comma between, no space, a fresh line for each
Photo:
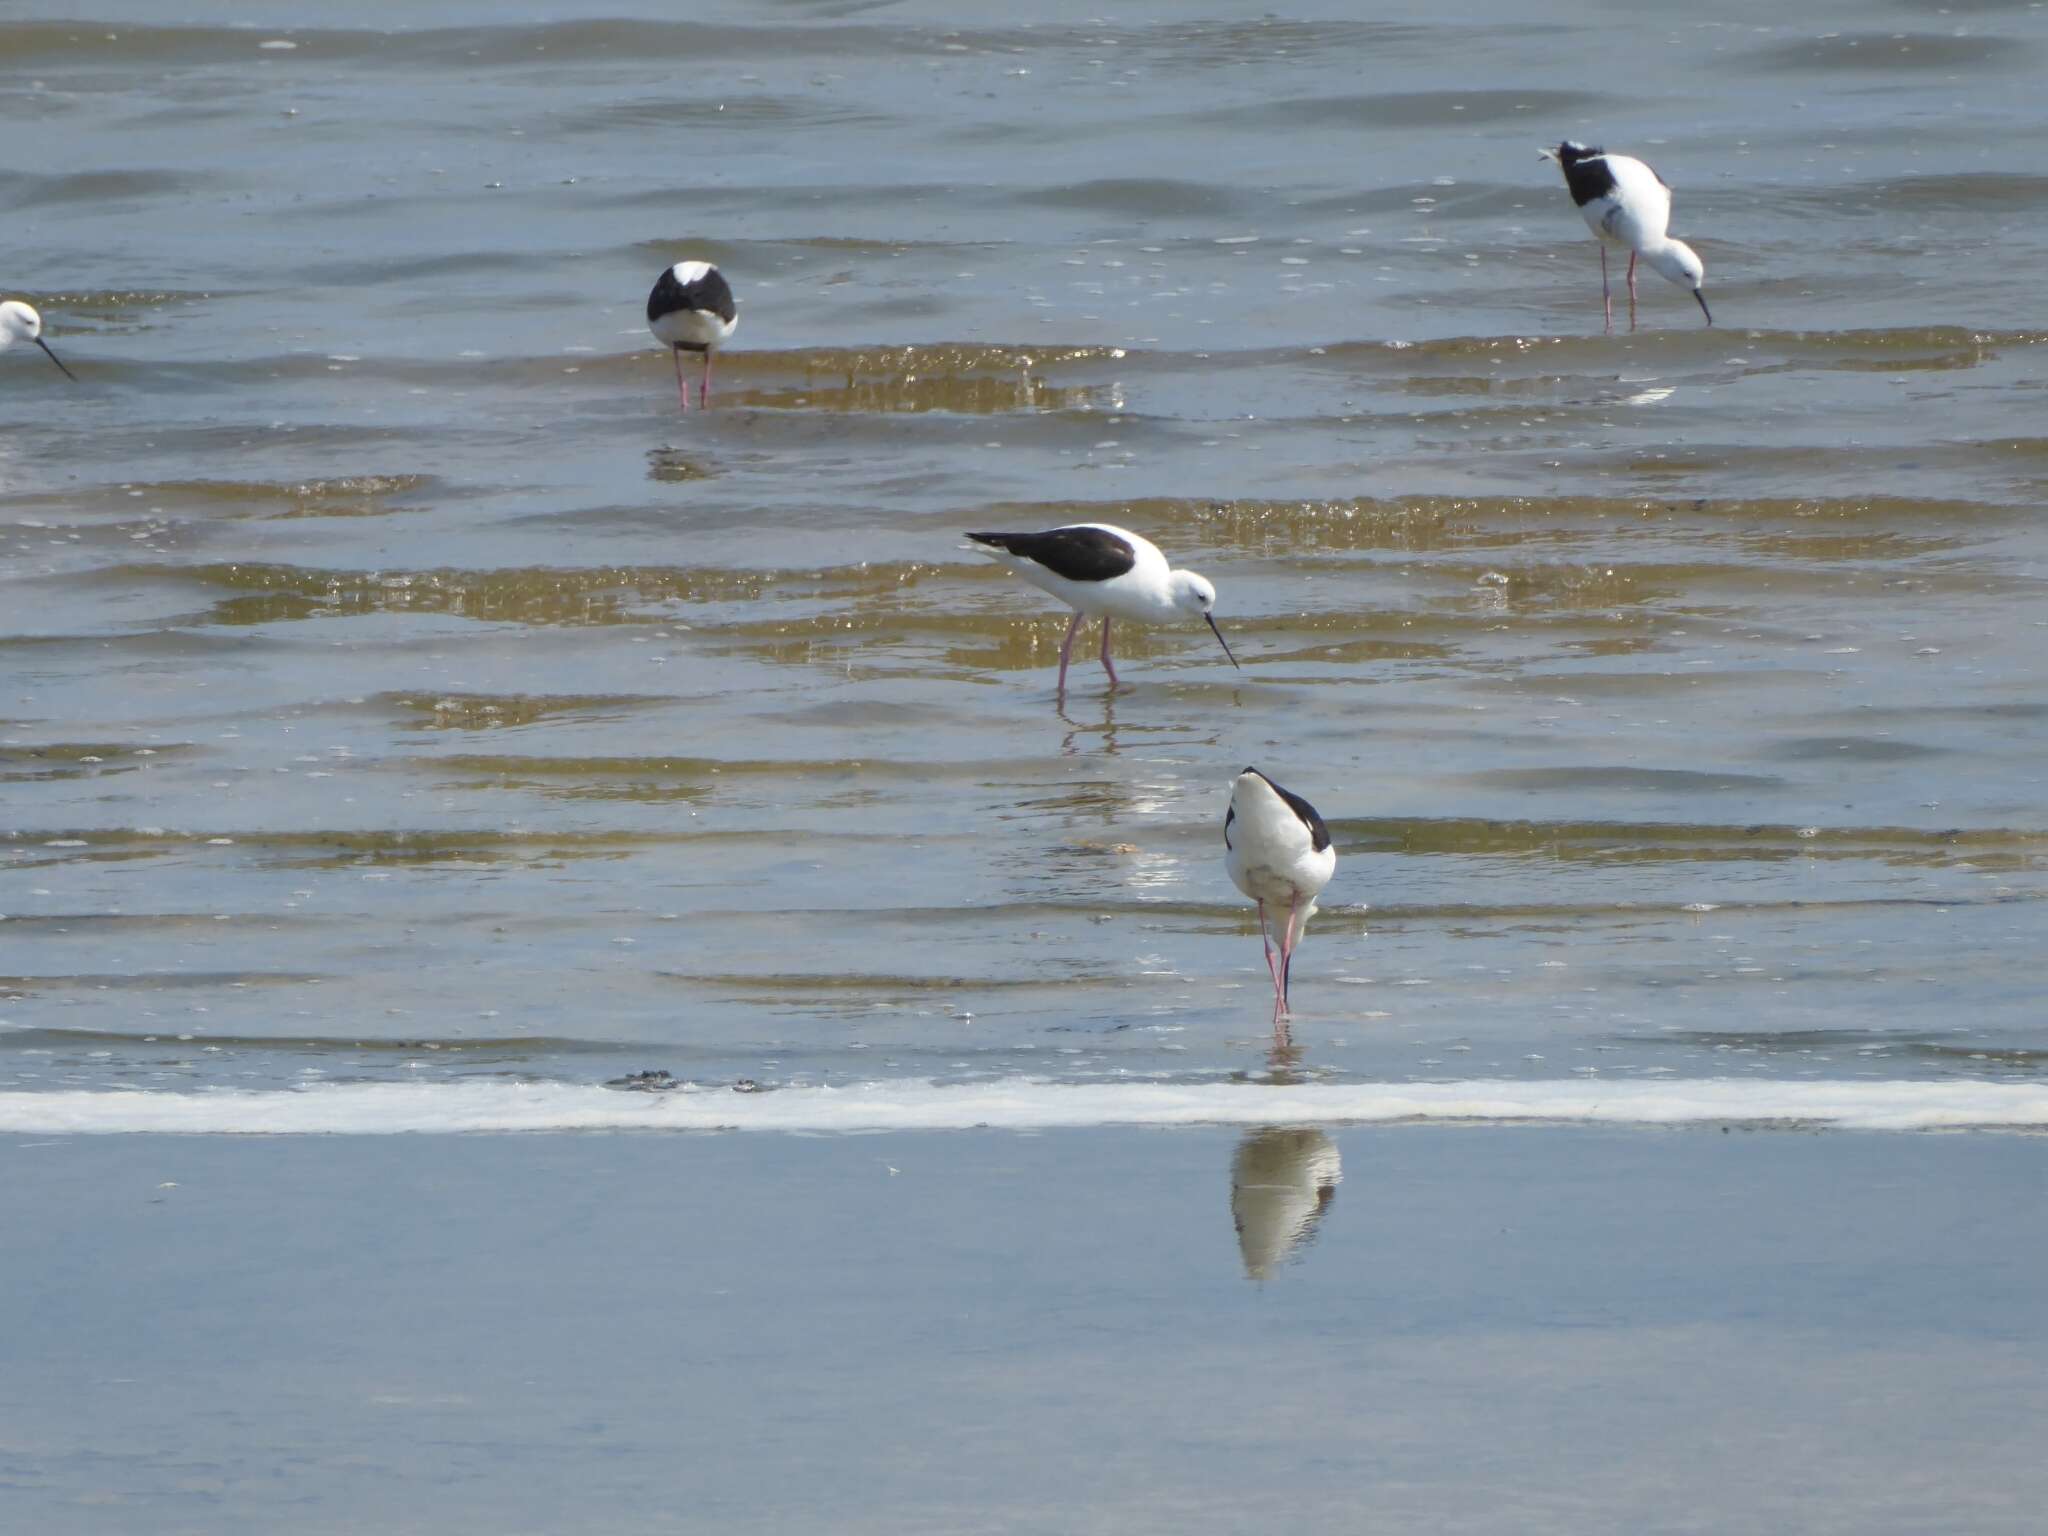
57,360
1211,619
1703,305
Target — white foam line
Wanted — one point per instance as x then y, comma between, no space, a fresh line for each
1020,1104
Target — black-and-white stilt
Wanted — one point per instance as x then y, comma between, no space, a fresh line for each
1278,853
691,310
20,322
1627,205
1102,571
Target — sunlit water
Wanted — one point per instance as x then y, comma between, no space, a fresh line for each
393,688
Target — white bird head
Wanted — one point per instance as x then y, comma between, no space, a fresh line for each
20,322
1193,594
1681,264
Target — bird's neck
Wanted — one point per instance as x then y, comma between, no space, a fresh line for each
1668,257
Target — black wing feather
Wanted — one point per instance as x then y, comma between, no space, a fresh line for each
1586,171
1077,553
710,293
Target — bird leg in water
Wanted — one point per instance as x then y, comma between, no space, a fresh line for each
1106,666
1606,293
1631,290
682,388
1289,937
1272,970
1067,650
704,389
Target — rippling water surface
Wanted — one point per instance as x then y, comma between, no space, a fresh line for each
394,687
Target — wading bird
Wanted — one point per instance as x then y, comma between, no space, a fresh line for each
1278,853
1102,571
691,310
1627,205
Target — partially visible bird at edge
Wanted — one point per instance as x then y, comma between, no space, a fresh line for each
20,322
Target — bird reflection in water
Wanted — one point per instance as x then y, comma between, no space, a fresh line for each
1075,744
672,466
1281,1181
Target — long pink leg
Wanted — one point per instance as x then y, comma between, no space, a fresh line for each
1631,290
1266,939
1067,650
1606,293
1106,666
704,389
1289,937
682,388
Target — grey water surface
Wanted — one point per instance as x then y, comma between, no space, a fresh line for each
1495,1332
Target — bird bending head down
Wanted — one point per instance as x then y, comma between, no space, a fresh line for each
1101,570
1196,596
1680,263
1278,852
20,322
691,310
1627,205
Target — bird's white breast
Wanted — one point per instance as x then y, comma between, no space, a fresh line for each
698,329
1272,855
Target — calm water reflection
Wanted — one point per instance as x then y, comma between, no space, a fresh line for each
1283,1180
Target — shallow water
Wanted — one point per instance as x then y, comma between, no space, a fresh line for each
1478,1331
393,688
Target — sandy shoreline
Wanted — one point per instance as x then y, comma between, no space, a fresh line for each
1484,1330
